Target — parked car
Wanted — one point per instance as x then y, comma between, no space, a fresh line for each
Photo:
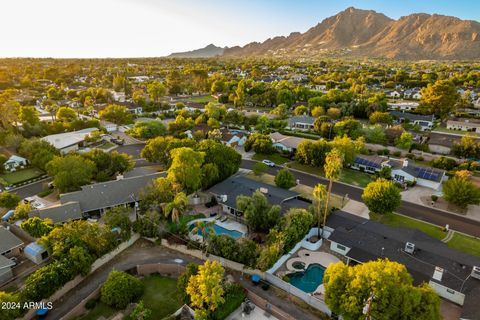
117,141
269,163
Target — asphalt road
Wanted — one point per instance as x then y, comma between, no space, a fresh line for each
409,209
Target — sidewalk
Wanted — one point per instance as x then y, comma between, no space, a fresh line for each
357,208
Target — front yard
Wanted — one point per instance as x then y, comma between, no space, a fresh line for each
22,175
276,158
466,244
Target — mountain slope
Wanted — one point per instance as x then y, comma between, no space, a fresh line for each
207,52
368,33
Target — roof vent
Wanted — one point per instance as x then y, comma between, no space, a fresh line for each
223,197
476,272
409,247
438,273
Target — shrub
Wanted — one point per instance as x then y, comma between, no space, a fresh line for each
234,296
120,289
259,168
284,179
420,158
410,156
434,198
397,153
90,304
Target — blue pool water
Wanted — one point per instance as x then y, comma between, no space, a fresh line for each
221,230
308,280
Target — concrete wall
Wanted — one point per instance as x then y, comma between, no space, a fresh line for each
334,247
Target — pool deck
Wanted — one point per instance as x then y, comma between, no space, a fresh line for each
229,224
311,257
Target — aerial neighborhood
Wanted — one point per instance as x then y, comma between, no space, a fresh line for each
268,187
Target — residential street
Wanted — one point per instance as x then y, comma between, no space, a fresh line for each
420,212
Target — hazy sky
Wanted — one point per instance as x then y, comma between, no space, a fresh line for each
140,28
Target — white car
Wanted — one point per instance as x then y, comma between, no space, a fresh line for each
268,163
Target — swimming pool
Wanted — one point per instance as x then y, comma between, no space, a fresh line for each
308,280
221,230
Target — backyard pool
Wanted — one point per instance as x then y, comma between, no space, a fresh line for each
308,280
221,230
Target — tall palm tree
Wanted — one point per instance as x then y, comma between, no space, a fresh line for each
176,207
319,198
333,168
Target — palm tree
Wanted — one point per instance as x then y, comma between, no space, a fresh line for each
319,198
206,229
333,168
176,207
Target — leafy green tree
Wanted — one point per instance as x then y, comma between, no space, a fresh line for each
259,143
380,117
285,96
155,194
405,141
218,86
215,111
38,152
300,110
140,312
190,270
269,255
461,191
210,175
348,147
205,288
385,173
37,227
259,214
312,153
70,172
120,289
347,288
21,211
186,168
439,98
317,112
381,196
29,115
468,147
205,228
79,260
295,224
9,200
375,134
285,179
148,224
116,114
213,123
349,127
148,130
118,83
66,114
10,313
119,218
156,90
334,113
281,111
158,149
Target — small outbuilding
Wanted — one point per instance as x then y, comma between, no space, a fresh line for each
35,252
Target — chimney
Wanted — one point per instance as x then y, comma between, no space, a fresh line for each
438,273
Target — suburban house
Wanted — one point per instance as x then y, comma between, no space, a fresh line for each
59,213
69,141
471,125
10,246
15,162
303,123
227,191
403,106
441,143
425,122
393,94
453,275
402,170
285,143
96,198
233,138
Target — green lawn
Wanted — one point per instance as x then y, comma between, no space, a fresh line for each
204,99
465,244
396,220
22,175
457,132
348,176
277,158
160,296
106,146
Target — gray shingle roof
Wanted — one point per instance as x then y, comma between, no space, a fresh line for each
300,119
5,262
412,116
59,213
8,240
371,240
236,186
109,194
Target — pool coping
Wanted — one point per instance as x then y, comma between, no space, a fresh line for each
227,226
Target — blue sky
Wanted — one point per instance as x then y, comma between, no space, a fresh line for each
138,28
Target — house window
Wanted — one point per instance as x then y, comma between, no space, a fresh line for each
399,178
340,247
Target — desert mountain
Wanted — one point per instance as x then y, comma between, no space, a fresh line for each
368,33
207,52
